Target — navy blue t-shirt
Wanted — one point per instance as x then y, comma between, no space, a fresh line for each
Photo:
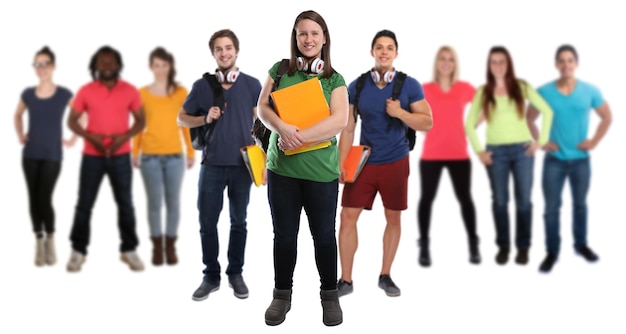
232,130
45,124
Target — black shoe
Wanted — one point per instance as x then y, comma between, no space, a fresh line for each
344,287
203,291
474,253
239,286
424,254
385,283
587,253
503,255
522,256
548,263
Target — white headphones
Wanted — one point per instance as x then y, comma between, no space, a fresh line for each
387,76
230,76
316,65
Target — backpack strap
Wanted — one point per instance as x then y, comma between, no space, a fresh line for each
216,87
397,86
282,69
360,82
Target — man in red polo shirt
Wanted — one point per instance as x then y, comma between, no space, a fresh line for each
108,101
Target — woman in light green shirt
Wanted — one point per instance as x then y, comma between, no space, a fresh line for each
510,148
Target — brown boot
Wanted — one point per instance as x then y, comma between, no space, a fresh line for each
157,250
170,250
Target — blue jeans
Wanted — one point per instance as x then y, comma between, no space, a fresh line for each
211,184
287,196
555,172
163,177
507,160
92,171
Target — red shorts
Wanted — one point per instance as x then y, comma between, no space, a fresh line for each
390,180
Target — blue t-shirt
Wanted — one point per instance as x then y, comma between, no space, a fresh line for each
45,124
570,124
386,135
232,129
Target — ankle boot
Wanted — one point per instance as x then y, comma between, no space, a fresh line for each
332,314
424,254
157,250
503,255
474,252
170,250
51,257
40,251
281,304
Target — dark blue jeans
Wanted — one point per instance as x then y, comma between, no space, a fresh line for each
211,184
287,196
92,171
511,160
555,172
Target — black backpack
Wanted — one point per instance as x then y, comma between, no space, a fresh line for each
397,88
201,135
259,131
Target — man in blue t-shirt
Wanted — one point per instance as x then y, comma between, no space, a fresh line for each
222,164
567,154
384,124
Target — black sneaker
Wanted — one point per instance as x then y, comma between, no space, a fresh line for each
503,255
522,256
385,283
424,253
587,253
548,263
344,287
239,286
474,253
203,291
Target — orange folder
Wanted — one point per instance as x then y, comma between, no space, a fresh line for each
356,159
302,105
254,157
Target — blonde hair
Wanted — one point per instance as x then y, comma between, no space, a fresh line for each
455,72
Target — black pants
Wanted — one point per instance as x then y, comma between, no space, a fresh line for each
460,174
41,177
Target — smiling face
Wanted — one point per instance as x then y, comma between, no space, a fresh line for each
310,38
384,52
566,63
446,64
225,53
107,66
43,67
160,68
498,65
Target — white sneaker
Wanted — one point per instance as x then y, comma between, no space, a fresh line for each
40,252
132,259
51,257
76,261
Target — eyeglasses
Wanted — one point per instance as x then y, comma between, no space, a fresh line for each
42,64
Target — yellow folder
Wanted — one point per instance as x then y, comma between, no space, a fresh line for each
254,157
302,105
356,159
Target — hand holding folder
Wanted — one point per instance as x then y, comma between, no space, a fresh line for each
302,105
356,159
254,157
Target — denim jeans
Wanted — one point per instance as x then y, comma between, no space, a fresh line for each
511,160
211,184
555,172
163,177
287,196
92,171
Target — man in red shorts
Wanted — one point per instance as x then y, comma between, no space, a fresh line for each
384,123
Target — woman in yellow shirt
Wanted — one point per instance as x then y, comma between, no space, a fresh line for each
158,152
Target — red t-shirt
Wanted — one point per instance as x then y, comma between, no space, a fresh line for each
447,140
108,111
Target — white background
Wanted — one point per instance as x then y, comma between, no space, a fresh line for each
452,296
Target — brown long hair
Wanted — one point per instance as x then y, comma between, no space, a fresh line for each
513,87
313,16
162,54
